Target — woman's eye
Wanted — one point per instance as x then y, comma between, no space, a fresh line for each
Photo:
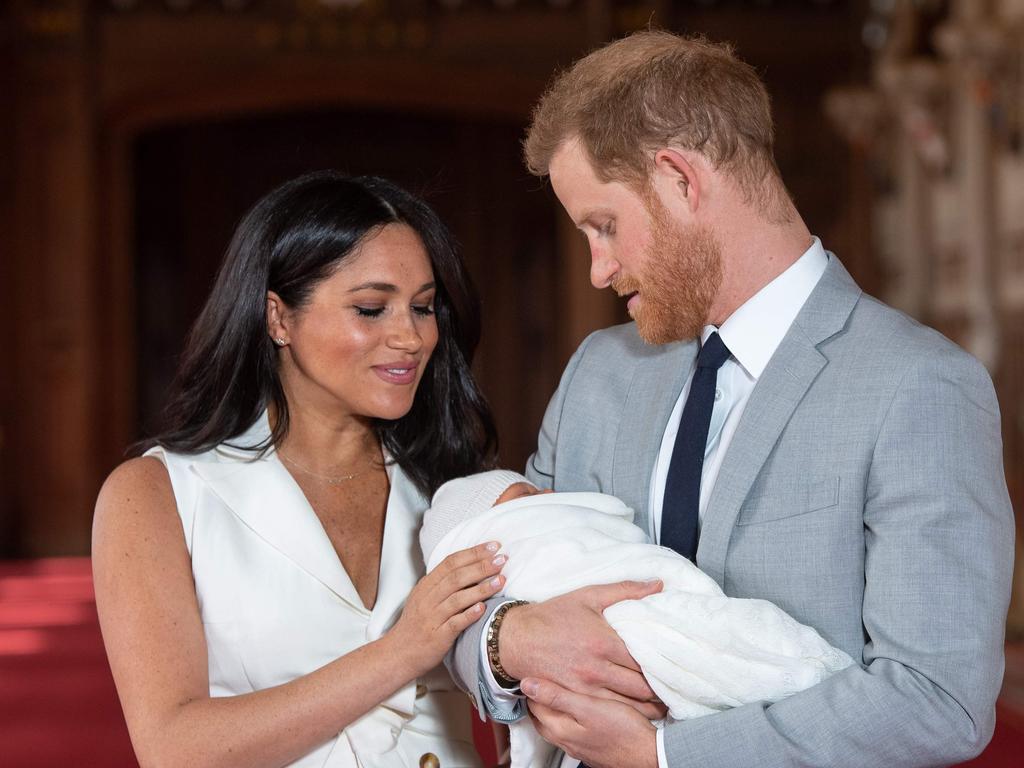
369,311
423,309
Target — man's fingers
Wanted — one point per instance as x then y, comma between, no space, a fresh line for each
550,724
628,681
551,719
554,696
554,726
608,594
613,650
618,656
652,710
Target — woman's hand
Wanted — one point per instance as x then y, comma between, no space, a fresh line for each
445,602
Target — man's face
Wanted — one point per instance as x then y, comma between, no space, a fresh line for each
671,272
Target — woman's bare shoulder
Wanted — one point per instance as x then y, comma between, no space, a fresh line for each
143,479
137,493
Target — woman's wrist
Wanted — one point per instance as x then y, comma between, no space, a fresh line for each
400,654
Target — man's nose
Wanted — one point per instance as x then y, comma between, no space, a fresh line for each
603,269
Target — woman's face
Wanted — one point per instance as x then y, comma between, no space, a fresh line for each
361,343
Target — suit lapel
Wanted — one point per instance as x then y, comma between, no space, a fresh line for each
655,387
789,374
793,368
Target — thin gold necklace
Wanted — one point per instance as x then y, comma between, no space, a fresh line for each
329,480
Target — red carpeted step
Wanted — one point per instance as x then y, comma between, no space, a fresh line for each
58,705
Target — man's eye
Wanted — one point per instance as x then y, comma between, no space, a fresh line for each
369,311
608,228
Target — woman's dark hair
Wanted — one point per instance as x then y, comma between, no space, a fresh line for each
287,243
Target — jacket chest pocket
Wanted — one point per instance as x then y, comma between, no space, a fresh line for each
794,496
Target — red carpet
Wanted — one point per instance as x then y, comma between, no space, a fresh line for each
58,706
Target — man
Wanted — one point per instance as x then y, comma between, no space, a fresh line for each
807,444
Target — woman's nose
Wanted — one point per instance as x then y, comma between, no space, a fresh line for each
403,334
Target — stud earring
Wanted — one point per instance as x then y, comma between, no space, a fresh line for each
279,341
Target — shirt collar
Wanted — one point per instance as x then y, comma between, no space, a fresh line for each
754,331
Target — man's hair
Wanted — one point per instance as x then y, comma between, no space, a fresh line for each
655,89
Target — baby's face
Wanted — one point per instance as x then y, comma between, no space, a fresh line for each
517,491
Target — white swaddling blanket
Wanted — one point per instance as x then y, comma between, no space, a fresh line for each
700,651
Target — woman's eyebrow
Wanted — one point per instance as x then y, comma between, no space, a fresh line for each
387,287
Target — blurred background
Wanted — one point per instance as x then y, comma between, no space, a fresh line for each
137,132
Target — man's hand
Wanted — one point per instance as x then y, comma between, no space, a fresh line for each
601,733
566,640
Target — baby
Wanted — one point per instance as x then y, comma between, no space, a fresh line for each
699,650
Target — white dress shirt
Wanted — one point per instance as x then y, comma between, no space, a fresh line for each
752,333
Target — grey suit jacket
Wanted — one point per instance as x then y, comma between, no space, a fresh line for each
863,492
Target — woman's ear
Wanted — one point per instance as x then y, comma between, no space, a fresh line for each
277,319
678,176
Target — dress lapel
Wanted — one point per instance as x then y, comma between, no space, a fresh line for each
262,494
401,562
789,374
656,384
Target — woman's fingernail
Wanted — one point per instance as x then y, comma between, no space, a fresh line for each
496,581
529,687
493,546
499,560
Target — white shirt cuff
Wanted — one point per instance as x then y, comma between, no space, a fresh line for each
660,740
506,696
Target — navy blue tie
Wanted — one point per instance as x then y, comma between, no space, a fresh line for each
679,510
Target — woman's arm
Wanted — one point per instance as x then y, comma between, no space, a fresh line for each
154,638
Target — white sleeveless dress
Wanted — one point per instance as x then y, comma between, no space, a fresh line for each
276,602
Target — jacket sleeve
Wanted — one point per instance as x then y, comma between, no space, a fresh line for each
938,567
464,661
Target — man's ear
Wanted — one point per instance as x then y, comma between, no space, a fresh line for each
277,319
677,175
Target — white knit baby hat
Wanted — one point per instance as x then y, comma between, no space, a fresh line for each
461,499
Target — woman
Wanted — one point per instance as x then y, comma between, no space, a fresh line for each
251,569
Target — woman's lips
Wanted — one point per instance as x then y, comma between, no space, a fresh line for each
397,374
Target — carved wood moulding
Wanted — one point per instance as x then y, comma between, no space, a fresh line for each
942,123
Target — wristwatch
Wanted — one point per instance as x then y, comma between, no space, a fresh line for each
493,656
